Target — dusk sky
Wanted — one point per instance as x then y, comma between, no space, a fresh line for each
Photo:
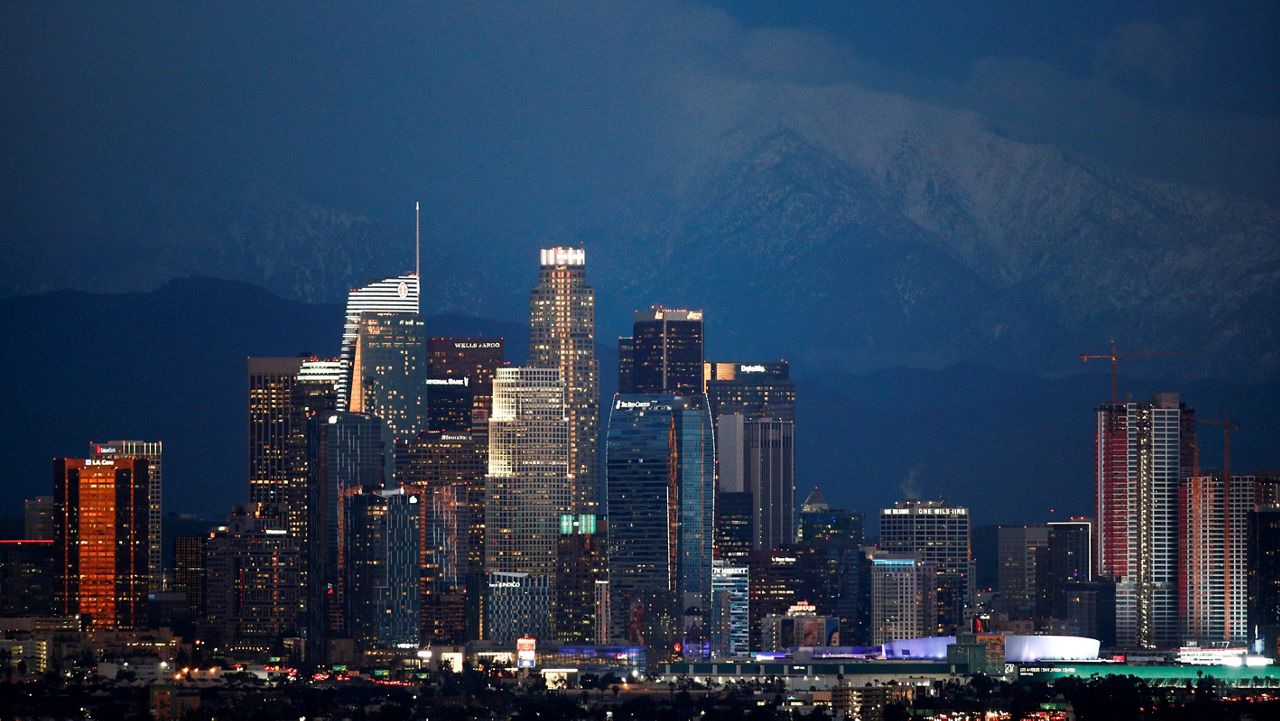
526,123
856,186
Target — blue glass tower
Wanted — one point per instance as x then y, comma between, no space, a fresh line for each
660,470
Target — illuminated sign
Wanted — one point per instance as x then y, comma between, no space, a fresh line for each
630,405
448,381
526,651
99,462
564,256
105,450
751,369
504,584
447,437
471,345
926,511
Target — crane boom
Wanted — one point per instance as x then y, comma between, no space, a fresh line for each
1114,356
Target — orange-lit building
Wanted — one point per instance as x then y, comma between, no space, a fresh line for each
100,539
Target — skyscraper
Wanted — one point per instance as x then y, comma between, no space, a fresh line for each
448,469
1213,523
903,603
830,546
391,295
1139,454
667,352
529,484
1264,577
660,477
153,451
581,565
460,373
940,536
820,523
189,573
562,334
757,457
37,518
27,577
348,452
730,624
253,583
626,364
1065,560
283,394
754,390
100,539
778,579
1018,574
381,566
389,372
474,359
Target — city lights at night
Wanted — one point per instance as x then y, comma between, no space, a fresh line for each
640,360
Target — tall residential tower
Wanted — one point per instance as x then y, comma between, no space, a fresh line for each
1141,450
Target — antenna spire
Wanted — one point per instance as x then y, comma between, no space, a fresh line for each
417,249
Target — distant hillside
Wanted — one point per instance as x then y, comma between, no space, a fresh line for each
170,364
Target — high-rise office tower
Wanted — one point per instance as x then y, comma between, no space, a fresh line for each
778,579
153,451
100,539
253,583
820,523
189,572
389,372
529,483
1213,523
754,390
903,602
37,518
283,394
660,477
562,334
460,376
735,527
381,566
626,364
940,535
667,351
1263,561
830,548
346,452
448,469
730,624
27,574
1018,573
757,455
517,605
392,295
1139,454
581,565
1066,559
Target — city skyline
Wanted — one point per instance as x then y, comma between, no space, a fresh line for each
682,358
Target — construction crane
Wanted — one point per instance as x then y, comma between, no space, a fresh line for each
1228,425
1114,356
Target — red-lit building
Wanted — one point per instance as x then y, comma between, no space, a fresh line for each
100,525
1142,451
